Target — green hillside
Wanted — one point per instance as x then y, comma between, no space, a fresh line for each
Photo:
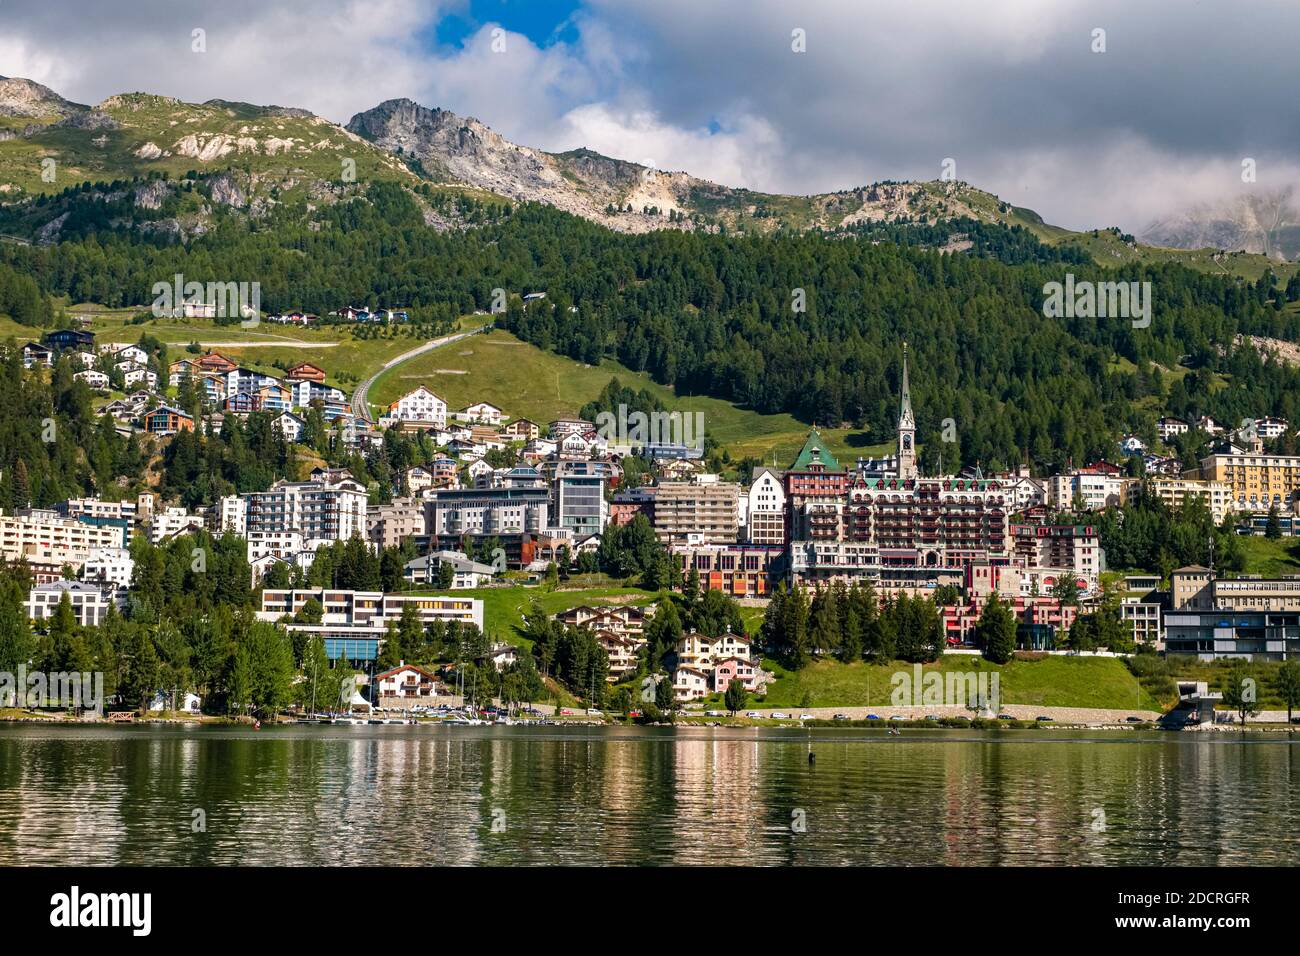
530,383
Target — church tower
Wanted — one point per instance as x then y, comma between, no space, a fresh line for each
906,429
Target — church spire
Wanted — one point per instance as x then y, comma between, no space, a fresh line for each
906,429
905,417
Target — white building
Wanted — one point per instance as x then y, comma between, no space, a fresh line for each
329,507
420,408
483,413
231,515
765,504
173,521
1270,428
88,602
465,573
92,378
1096,489
289,425
108,566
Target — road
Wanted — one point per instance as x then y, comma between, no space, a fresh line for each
361,408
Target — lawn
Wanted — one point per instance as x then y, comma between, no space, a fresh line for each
528,382
1050,682
503,608
1271,557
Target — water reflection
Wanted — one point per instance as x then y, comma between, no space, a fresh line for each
513,796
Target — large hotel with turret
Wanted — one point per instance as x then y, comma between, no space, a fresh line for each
886,523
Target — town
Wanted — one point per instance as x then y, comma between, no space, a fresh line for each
489,503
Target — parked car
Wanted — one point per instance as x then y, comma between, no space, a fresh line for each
1005,717
807,717
873,716
1133,720
931,717
780,715
1043,719
841,717
753,714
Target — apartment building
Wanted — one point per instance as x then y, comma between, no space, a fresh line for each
419,408
488,511
765,507
89,604
579,502
748,571
1096,488
354,623
1073,547
1248,617
329,507
1256,482
389,525
704,512
1173,492
37,533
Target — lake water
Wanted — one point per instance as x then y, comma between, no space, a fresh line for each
518,796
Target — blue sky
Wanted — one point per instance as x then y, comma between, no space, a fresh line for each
543,21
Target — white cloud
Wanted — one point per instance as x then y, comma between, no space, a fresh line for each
1009,88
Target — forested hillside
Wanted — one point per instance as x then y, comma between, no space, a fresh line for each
804,323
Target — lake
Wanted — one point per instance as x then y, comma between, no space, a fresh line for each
183,795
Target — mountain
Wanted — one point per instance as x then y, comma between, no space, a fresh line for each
131,135
260,159
1264,223
451,148
25,100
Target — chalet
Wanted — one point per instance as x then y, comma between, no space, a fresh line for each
128,353
486,436
1167,428
735,668
1132,445
36,354
418,479
483,413
61,339
569,426
274,397
622,653
465,573
305,371
690,683
92,378
625,620
180,370
87,359
215,362
405,682
165,420
521,429
419,408
289,425
501,656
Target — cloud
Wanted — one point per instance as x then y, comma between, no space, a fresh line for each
1011,89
